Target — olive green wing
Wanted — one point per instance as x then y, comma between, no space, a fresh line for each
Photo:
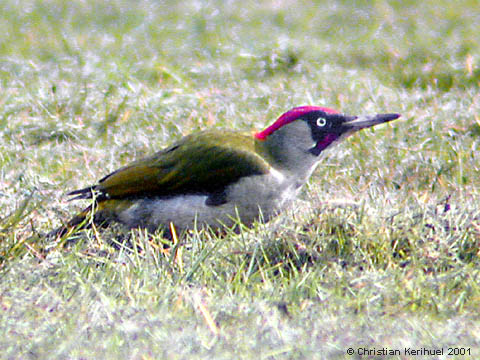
201,163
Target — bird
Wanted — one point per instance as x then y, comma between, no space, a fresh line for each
213,178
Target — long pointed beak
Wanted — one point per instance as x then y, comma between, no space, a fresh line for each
362,122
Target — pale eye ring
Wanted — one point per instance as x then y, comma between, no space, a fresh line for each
321,122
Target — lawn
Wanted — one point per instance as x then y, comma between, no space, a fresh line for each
380,255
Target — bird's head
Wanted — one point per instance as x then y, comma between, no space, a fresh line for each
296,138
314,128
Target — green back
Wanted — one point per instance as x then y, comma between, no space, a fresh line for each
199,163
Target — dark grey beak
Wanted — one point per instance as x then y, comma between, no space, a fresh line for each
362,122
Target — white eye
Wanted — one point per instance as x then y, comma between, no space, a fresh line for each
321,122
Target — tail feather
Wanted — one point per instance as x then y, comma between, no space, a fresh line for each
90,192
84,193
95,214
78,222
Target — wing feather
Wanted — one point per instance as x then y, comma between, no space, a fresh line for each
199,163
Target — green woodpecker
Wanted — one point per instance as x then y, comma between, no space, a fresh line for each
216,176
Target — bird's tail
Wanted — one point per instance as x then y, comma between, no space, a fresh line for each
83,220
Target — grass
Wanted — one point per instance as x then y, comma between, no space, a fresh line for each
383,253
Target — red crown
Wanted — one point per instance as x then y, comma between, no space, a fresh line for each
290,116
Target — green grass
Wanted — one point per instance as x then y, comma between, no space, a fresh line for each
382,253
